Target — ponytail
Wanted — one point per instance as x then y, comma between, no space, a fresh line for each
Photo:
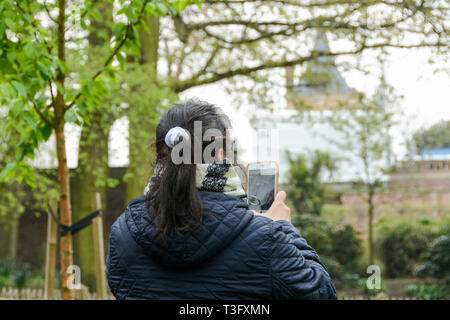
176,202
173,200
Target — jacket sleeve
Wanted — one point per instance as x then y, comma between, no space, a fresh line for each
296,269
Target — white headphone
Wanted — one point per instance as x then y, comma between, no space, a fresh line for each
174,134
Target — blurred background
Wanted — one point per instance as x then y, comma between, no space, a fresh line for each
354,97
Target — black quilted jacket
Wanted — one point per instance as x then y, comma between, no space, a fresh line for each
236,255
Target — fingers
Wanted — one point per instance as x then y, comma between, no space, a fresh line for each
278,210
280,198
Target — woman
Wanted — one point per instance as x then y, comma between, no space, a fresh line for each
191,235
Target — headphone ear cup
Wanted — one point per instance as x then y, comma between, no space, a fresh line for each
174,135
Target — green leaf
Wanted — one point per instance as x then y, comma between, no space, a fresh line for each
7,91
83,24
10,24
7,170
46,131
118,30
63,66
30,50
120,59
16,109
21,90
11,56
44,70
60,87
70,116
95,14
162,8
29,119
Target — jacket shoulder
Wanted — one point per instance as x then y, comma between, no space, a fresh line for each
118,238
257,237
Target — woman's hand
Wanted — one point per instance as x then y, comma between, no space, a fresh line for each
278,210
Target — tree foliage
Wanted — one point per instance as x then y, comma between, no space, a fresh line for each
29,64
248,43
13,188
435,137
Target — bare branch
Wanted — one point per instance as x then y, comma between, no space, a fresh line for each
208,62
51,91
193,82
285,2
41,114
48,12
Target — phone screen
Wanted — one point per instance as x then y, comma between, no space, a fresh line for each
261,187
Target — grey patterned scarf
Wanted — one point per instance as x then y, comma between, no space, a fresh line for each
217,177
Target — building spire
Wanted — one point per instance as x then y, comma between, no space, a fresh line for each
323,46
321,85
321,74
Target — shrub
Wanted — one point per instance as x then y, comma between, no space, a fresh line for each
436,258
339,249
334,268
341,278
316,231
5,279
372,292
400,245
428,291
14,276
347,247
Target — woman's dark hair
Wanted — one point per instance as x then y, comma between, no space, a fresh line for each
173,195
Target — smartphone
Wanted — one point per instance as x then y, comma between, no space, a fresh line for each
262,185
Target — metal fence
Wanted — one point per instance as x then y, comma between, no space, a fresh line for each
38,294
377,297
9,293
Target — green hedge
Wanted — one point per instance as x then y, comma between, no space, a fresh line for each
436,257
428,290
14,276
400,243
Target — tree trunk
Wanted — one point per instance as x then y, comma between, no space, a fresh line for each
93,170
8,238
142,124
65,208
370,237
13,240
91,177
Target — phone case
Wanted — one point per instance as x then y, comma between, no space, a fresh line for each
258,162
